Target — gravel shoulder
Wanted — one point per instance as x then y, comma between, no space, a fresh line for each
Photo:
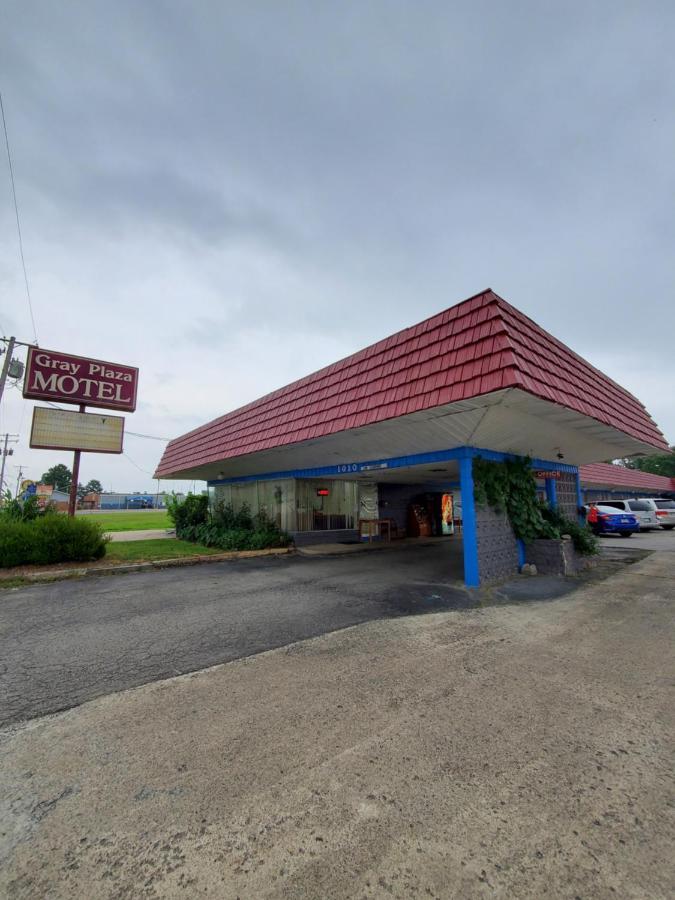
513,751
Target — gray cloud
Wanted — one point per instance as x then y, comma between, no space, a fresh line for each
240,193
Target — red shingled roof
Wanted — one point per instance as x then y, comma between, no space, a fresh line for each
607,473
478,346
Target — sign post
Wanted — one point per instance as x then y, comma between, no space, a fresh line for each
72,501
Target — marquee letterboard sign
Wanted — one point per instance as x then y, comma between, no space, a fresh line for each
64,429
62,377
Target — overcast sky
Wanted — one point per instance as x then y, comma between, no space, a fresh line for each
231,195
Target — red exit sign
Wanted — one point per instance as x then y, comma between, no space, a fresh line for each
62,377
322,492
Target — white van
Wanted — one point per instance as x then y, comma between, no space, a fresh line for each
642,511
664,510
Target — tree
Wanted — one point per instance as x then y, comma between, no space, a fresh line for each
93,487
657,464
59,476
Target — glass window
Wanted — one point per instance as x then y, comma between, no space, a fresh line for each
665,504
326,504
638,506
617,504
275,498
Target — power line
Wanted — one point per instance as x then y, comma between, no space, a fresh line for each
150,437
18,224
145,471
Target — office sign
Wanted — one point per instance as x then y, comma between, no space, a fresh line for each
61,429
546,473
62,377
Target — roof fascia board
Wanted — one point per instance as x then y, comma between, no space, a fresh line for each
395,462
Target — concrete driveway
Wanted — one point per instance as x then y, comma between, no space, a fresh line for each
69,641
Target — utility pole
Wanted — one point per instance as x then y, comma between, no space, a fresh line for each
18,481
6,451
5,366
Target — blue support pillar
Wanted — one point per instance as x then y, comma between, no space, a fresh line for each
521,552
470,537
551,494
580,499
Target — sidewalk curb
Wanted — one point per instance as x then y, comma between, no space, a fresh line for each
148,566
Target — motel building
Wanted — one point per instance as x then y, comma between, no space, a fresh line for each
382,444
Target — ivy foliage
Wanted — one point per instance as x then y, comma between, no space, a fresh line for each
510,487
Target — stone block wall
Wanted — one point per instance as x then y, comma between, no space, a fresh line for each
556,557
497,547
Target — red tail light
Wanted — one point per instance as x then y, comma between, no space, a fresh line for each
603,516
661,512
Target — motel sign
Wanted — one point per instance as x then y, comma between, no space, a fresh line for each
63,378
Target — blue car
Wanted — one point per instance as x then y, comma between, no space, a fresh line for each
611,521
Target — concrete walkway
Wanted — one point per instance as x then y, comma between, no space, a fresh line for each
515,751
149,535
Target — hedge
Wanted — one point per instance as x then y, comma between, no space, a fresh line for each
49,539
210,535
222,526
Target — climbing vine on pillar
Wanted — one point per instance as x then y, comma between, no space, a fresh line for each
510,487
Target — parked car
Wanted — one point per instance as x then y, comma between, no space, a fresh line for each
139,503
664,510
611,521
642,511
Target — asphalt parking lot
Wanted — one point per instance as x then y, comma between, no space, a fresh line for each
67,642
657,539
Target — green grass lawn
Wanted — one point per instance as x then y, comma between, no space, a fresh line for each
162,548
131,520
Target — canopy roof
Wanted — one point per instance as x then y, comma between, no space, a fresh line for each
480,354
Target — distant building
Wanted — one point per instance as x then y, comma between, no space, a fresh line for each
48,494
133,500
605,481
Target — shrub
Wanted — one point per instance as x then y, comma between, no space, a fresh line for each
16,510
212,535
585,542
48,539
224,516
193,510
224,527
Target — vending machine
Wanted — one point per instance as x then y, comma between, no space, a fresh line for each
447,514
